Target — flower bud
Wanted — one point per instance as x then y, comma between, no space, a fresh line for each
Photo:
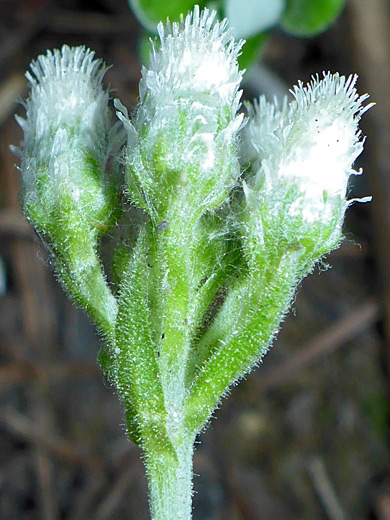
186,124
68,140
301,156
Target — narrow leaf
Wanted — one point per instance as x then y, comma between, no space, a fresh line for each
310,17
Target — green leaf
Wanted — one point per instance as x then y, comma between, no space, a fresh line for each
150,12
252,50
251,17
104,359
144,46
310,17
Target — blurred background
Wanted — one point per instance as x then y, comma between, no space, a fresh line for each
306,436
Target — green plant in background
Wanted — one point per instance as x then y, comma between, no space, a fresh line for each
233,212
249,19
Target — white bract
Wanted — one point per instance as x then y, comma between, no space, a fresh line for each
310,144
196,57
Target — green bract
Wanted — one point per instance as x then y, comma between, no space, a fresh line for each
227,217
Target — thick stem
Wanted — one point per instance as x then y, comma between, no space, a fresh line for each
170,481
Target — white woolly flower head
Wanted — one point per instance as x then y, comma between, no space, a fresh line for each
68,136
264,118
64,85
311,145
66,88
196,57
67,108
183,135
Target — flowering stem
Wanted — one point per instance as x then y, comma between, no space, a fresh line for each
170,481
171,271
225,237
240,337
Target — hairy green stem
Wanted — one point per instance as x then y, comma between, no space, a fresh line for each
170,481
240,336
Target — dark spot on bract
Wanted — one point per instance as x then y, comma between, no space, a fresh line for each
164,224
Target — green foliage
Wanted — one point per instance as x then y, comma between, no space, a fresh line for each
151,12
310,17
252,49
71,229
135,368
144,46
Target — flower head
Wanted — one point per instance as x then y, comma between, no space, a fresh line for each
196,59
309,145
186,125
68,137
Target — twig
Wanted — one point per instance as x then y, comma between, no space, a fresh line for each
383,507
62,21
110,503
38,325
86,497
48,503
370,27
10,90
17,39
325,490
13,223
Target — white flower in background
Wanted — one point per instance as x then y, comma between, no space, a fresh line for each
310,144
